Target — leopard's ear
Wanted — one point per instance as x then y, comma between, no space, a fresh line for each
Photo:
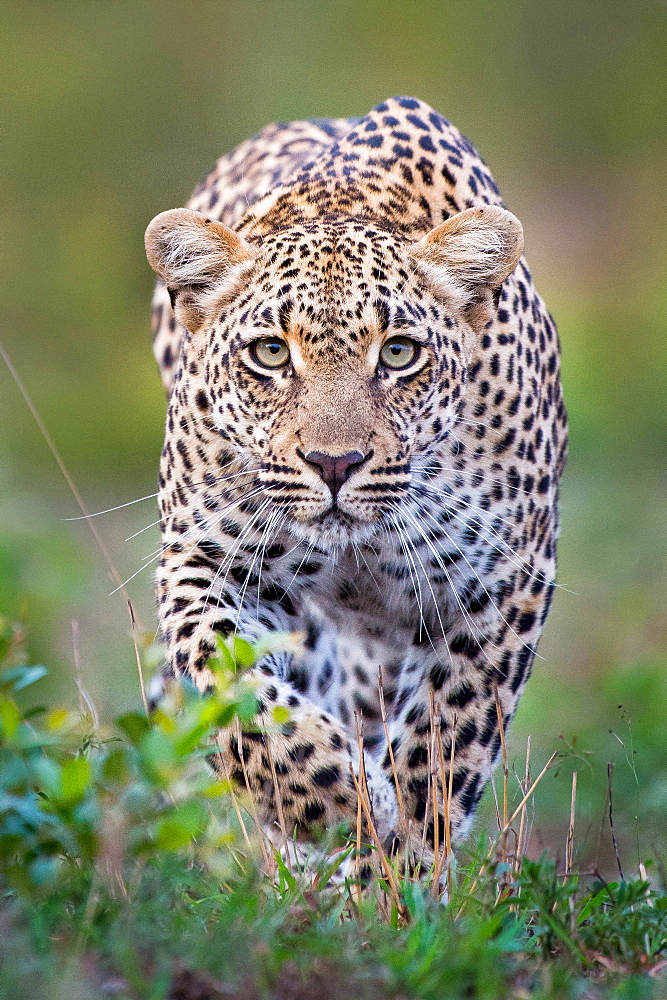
469,256
194,256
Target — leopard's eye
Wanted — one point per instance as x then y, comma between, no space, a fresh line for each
270,352
398,352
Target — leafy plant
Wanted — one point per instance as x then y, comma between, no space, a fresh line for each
128,865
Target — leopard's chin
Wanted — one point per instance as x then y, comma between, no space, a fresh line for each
334,530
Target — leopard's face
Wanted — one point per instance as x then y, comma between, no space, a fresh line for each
331,369
331,355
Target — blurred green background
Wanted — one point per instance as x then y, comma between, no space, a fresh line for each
113,109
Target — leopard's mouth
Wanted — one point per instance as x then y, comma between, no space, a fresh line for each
335,516
334,529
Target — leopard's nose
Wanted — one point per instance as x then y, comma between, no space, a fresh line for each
334,470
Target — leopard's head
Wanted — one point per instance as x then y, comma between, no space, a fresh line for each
332,354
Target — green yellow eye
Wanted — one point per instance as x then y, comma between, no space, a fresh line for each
270,352
398,352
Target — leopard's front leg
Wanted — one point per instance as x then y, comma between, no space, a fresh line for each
456,696
297,770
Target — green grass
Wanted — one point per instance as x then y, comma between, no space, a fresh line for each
128,868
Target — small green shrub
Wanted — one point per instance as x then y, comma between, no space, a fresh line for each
127,866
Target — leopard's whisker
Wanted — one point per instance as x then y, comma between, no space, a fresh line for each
480,514
359,551
473,474
424,488
461,421
305,557
130,578
257,554
508,551
225,566
457,598
110,510
513,554
491,600
466,614
165,546
408,549
273,526
435,600
205,528
160,520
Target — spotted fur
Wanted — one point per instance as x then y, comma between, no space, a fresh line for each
434,556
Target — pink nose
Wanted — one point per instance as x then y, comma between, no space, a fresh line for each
334,470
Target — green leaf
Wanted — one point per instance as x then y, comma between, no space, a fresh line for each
192,739
28,808
10,719
159,755
183,823
285,873
75,778
6,638
49,774
218,788
18,678
135,726
115,767
593,902
243,652
218,714
57,719
223,661
247,706
43,870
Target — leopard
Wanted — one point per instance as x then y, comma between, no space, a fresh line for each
364,441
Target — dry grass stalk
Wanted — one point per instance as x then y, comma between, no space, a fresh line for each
110,862
402,815
407,860
494,790
446,855
610,772
530,791
279,798
115,575
269,861
357,855
440,857
433,772
86,703
359,729
133,622
644,878
448,819
427,811
522,839
569,844
503,747
526,797
237,809
384,860
359,726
